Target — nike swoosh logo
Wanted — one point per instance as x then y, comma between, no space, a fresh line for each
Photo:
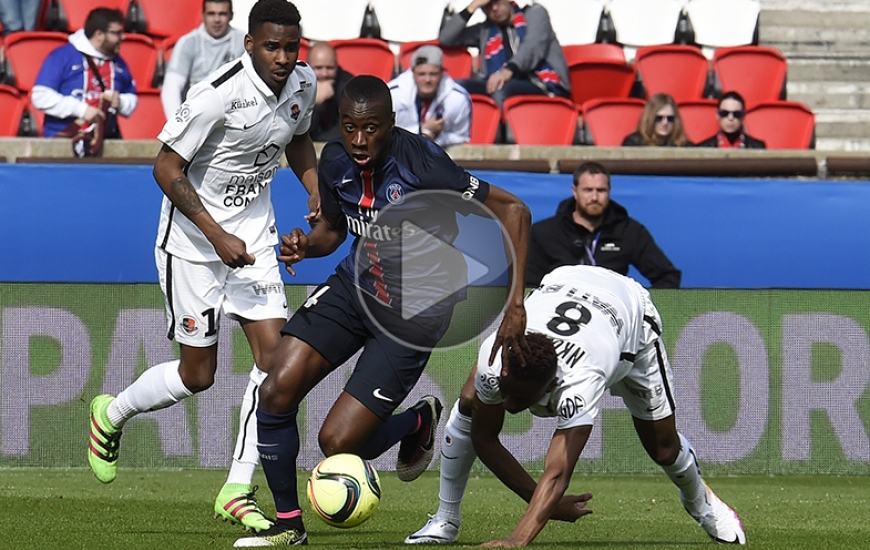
246,127
657,407
76,67
377,393
346,180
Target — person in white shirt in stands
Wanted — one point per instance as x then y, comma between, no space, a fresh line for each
200,52
428,102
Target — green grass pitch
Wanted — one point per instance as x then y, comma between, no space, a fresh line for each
51,509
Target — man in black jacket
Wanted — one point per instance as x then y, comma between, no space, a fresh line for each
590,229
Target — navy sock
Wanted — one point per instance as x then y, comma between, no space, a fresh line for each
278,445
388,434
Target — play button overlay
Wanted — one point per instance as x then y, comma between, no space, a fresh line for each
433,253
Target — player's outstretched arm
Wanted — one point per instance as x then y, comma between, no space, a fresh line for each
169,174
549,499
302,159
486,424
516,219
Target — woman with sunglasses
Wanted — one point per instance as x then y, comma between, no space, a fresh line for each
659,125
732,133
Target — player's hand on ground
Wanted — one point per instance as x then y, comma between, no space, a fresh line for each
572,507
506,543
232,250
511,336
292,249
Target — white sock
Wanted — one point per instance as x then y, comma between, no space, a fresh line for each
686,475
245,455
457,457
157,388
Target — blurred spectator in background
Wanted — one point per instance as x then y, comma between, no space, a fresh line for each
331,80
591,229
19,15
731,132
201,52
428,102
659,125
520,52
86,81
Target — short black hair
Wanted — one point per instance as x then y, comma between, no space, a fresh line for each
368,89
540,360
230,2
99,18
591,167
280,12
732,95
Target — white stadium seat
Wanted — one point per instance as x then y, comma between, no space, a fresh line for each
404,21
723,23
331,19
574,21
645,23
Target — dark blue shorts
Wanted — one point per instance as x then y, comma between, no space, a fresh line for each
335,322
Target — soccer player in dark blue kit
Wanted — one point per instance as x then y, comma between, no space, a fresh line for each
365,303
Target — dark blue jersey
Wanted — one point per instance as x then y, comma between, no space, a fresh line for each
403,215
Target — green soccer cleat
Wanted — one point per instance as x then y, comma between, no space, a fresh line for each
236,503
104,441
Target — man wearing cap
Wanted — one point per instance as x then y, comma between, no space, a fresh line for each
428,102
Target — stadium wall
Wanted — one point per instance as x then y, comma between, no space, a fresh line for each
771,378
97,223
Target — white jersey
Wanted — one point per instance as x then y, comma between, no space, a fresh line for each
232,130
595,318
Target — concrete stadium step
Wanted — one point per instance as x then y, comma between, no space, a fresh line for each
842,129
830,94
828,68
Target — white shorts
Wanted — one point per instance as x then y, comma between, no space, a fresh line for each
196,291
648,388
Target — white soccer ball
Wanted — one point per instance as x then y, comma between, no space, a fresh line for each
344,490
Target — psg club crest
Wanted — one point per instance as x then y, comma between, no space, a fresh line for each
395,193
188,325
295,111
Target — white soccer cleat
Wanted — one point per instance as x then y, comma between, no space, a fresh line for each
436,531
721,523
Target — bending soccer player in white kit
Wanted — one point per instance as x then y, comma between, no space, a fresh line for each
589,329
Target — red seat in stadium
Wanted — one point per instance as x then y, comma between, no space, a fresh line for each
699,118
458,61
541,120
360,56
485,117
677,70
25,52
596,78
596,50
166,19
142,56
756,72
76,11
610,120
12,105
147,120
782,124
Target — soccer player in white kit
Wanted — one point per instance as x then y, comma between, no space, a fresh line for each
589,329
216,238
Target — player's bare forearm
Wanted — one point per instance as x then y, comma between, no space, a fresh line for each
516,219
486,424
169,174
325,237
302,159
